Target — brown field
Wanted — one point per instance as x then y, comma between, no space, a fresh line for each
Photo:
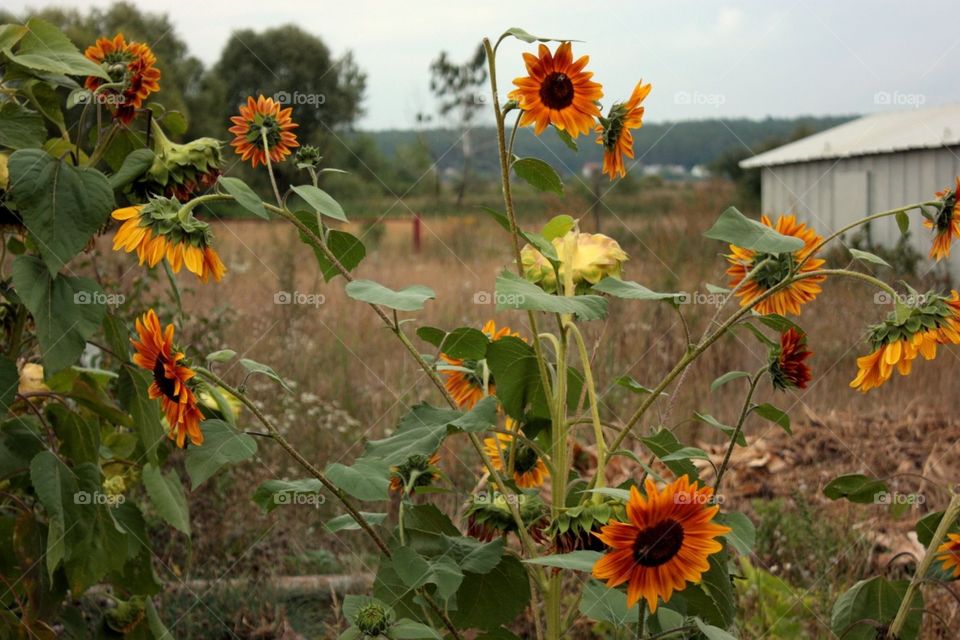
353,382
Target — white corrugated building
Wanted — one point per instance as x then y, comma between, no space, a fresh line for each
868,165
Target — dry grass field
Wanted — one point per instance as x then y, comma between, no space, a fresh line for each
352,383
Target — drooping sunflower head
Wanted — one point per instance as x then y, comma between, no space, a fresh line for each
156,353
908,332
529,470
263,118
788,367
130,64
469,381
945,224
664,542
416,471
775,269
180,170
557,91
948,554
575,529
615,134
157,231
488,516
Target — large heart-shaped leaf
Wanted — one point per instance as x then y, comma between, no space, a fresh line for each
61,205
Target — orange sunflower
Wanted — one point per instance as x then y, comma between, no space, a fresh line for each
897,341
777,267
129,64
665,542
467,387
557,91
946,224
528,469
949,554
155,232
788,367
615,134
259,117
156,354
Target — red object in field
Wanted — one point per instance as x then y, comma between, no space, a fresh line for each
416,233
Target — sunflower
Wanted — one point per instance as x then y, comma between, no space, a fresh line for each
257,117
614,130
949,554
900,338
557,91
155,232
946,224
775,269
592,257
529,471
417,471
665,542
470,386
787,364
129,64
156,354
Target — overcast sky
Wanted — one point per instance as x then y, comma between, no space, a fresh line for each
704,59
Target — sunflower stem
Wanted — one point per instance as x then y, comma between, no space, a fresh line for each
950,516
334,489
744,411
266,156
594,410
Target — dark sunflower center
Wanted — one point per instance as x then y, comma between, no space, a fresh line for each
525,458
556,91
165,384
776,269
267,124
658,544
945,218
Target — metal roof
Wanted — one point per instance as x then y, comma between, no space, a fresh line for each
927,128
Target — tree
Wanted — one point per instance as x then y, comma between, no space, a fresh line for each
459,90
292,66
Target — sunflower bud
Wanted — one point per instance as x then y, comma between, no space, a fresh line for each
537,269
372,619
126,615
114,485
308,156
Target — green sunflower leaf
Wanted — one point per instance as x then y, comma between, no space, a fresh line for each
737,229
538,174
411,298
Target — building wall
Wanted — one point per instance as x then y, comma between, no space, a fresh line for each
832,193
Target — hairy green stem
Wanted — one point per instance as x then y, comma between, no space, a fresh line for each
738,429
950,516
